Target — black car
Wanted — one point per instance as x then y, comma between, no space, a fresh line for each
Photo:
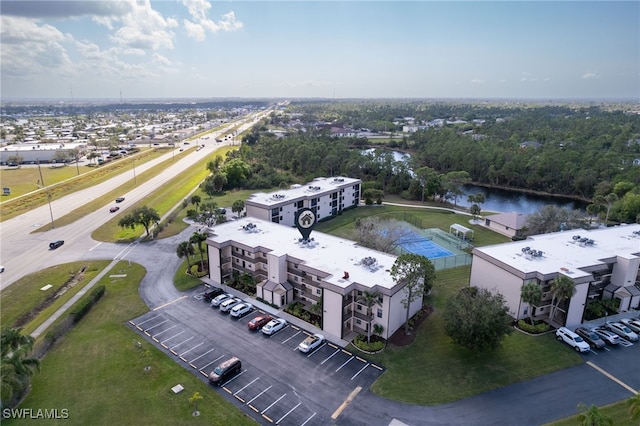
591,337
210,294
54,245
119,199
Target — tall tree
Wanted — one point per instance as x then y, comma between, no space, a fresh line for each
610,199
417,274
531,294
477,318
145,216
369,299
185,249
237,207
562,288
16,366
198,238
195,200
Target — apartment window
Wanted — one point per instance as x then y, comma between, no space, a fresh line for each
359,307
358,322
318,291
379,313
295,278
359,293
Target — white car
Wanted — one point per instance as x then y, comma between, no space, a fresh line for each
622,331
572,339
216,301
311,343
241,309
634,325
274,326
608,336
228,304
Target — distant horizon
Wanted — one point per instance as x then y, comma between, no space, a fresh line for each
201,49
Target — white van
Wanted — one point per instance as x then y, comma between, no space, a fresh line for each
572,339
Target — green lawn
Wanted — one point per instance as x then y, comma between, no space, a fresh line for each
618,412
433,370
97,371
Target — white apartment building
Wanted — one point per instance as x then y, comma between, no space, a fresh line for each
603,263
327,197
325,269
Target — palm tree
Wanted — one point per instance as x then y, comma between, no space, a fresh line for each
194,400
185,249
562,288
531,294
634,407
369,299
16,367
195,200
592,416
198,238
610,200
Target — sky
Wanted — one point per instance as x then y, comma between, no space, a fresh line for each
134,49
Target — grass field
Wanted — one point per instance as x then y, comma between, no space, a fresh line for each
618,413
444,372
97,371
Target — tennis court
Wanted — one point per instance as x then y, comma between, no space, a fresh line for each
448,252
418,244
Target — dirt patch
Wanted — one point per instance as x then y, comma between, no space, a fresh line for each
400,338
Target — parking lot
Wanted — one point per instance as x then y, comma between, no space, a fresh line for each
278,384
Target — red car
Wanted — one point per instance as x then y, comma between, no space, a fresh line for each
114,209
258,322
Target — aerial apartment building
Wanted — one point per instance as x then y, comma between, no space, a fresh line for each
327,197
603,263
322,269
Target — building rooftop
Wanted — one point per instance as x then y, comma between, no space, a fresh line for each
569,251
336,256
319,185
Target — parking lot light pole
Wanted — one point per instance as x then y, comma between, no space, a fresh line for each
133,164
41,185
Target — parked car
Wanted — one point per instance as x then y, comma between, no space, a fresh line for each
228,304
622,331
210,294
591,337
54,245
572,339
114,209
216,301
241,309
258,322
274,326
311,343
608,336
225,371
119,199
633,324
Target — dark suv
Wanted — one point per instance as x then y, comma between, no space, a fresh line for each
591,337
210,294
54,245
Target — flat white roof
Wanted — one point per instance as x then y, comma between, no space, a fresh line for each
318,187
326,253
566,252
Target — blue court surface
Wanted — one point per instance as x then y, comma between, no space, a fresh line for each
417,244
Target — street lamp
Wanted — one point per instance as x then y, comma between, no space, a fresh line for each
41,185
133,164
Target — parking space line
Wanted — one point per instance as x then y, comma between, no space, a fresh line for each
181,343
346,402
316,351
269,419
253,408
169,303
273,403
288,412
154,326
308,420
361,359
232,379
147,320
211,362
294,327
345,363
361,370
376,366
612,377
175,335
245,386
347,352
187,351
292,337
255,397
330,356
164,331
332,345
195,359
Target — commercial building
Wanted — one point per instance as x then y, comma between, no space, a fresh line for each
326,270
602,263
327,197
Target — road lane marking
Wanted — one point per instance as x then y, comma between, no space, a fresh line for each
308,420
361,370
169,303
612,377
346,402
288,412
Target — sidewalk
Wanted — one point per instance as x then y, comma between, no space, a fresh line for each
278,313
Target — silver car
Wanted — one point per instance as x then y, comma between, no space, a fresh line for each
608,336
622,331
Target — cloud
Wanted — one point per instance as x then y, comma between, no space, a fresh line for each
477,81
590,75
200,24
144,28
307,83
64,9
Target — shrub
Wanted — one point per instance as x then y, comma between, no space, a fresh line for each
360,342
85,304
542,327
